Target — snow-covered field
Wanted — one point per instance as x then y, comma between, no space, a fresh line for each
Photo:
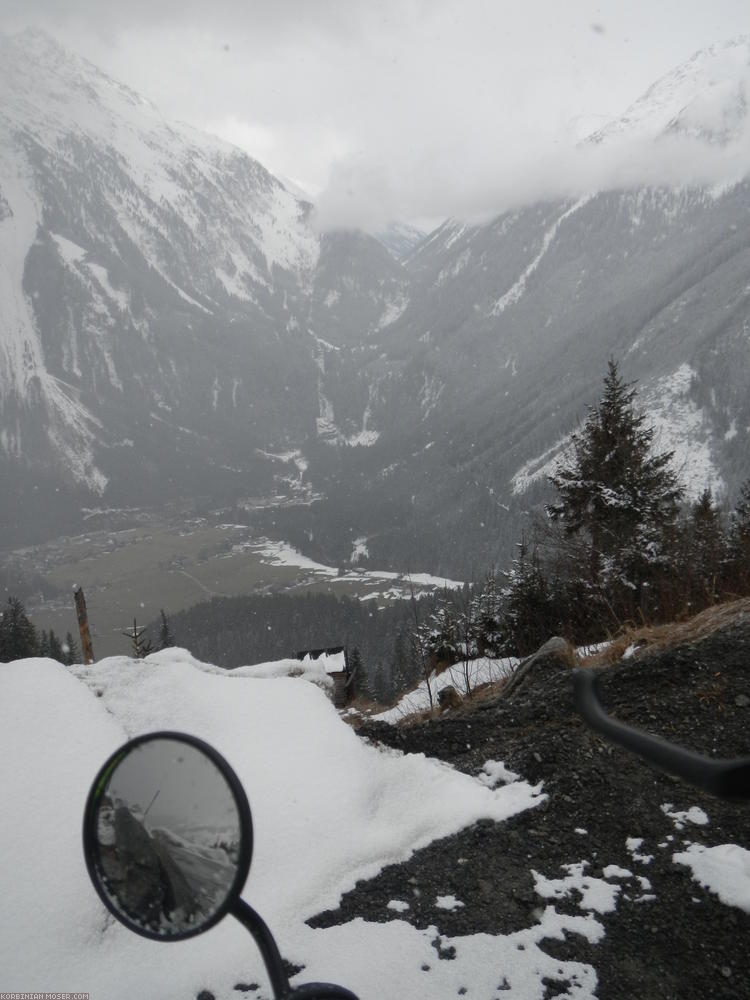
392,586
328,810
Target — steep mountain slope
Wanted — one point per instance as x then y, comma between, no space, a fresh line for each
139,257
156,291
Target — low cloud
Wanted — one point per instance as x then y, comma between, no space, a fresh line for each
366,195
260,16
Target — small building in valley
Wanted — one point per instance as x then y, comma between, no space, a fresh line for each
336,665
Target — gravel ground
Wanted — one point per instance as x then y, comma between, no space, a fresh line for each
681,943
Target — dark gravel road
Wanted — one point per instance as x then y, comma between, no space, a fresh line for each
668,938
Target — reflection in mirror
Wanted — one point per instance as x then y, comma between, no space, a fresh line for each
168,837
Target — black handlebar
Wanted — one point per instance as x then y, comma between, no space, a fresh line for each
727,779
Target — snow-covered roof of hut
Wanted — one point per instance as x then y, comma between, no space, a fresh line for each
331,663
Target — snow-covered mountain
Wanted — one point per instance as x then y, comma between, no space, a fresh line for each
172,324
156,286
400,239
706,97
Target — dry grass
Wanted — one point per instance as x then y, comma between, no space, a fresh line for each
650,637
417,718
489,689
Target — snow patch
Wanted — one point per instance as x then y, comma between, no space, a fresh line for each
634,845
682,427
454,269
450,232
117,295
394,309
397,905
723,870
615,871
494,773
363,439
540,467
360,550
70,252
516,290
448,903
430,393
596,894
680,818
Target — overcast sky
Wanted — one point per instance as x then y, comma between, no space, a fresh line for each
401,108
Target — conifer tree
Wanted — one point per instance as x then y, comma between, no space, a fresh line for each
407,664
141,643
738,556
70,650
528,609
18,637
706,551
439,635
486,613
471,642
55,648
166,635
42,643
616,495
356,671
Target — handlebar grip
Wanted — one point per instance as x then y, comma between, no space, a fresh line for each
727,779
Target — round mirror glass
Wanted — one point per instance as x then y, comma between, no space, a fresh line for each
167,835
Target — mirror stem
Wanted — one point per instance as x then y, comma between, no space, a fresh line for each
265,941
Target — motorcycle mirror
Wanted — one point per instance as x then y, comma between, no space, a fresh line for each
167,836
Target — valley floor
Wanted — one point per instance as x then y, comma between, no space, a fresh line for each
134,562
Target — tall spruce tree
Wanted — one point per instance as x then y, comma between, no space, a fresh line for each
618,497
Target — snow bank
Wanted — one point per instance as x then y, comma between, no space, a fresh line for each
481,671
328,810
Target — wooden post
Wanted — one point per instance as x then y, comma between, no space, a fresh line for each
83,626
